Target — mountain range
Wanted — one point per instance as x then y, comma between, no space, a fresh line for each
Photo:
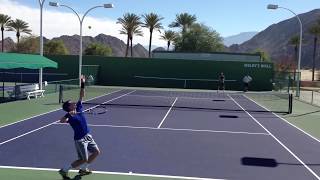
72,44
118,47
238,38
275,39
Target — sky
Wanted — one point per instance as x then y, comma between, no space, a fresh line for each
227,17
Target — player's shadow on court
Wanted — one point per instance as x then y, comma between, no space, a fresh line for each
268,162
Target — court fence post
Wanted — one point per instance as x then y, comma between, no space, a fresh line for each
312,97
290,103
60,94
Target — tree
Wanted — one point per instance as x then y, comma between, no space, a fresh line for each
130,27
152,21
264,55
168,36
28,45
294,41
183,21
285,64
199,38
315,31
4,23
55,47
19,26
136,31
98,49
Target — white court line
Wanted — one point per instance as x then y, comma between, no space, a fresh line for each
164,118
4,142
174,129
284,120
284,146
112,173
54,110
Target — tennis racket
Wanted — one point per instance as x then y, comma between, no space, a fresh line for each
96,110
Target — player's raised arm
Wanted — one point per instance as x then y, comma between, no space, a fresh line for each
82,88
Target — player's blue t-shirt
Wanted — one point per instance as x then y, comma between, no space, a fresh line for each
78,122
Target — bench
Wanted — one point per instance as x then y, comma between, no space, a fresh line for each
22,91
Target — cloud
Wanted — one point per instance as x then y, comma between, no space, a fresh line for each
57,23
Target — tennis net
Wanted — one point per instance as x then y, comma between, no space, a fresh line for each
68,84
201,101
186,83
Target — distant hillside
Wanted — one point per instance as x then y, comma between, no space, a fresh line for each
275,39
239,38
159,49
72,44
118,47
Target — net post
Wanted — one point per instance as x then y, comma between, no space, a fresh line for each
185,84
15,90
60,94
2,85
311,96
290,103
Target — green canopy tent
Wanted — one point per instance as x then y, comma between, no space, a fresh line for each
29,61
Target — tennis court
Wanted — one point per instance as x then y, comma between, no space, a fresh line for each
171,134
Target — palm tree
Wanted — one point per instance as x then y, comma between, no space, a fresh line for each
4,23
152,21
168,36
130,26
136,31
183,21
294,41
19,26
315,31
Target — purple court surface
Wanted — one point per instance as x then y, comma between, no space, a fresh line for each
152,134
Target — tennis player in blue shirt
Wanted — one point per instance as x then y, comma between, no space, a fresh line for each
84,142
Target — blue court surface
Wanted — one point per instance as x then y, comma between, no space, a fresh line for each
155,133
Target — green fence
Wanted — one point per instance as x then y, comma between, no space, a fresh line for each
118,71
285,81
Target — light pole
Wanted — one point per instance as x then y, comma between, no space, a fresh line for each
55,4
273,6
41,2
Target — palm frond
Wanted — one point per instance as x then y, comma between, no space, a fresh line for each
4,20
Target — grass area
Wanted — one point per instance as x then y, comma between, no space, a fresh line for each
306,117
18,110
11,83
274,102
19,174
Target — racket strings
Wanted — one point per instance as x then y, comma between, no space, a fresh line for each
97,110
